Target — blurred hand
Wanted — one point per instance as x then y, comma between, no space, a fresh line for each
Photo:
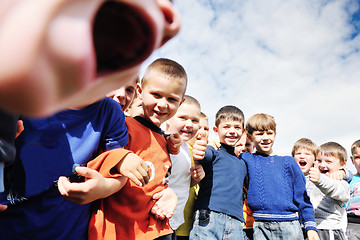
339,175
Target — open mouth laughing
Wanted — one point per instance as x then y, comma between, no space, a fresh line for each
122,37
302,163
324,171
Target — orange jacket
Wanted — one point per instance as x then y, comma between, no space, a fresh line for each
126,214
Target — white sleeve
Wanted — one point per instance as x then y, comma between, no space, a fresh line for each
336,189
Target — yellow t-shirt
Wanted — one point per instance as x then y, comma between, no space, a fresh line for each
184,229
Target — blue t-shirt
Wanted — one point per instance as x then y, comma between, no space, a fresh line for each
221,189
47,149
353,206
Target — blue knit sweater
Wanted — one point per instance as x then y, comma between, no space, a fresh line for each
277,189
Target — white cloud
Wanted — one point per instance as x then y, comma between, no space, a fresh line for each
296,60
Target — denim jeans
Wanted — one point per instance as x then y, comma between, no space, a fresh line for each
210,225
286,230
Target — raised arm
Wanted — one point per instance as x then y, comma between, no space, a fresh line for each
336,189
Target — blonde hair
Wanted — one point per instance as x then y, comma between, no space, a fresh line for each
355,145
333,149
306,144
169,68
260,122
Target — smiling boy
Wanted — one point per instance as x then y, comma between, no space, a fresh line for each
182,177
276,192
132,212
329,195
219,212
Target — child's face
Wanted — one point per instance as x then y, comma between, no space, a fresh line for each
124,95
328,164
229,131
263,141
355,158
161,98
204,127
244,145
135,108
305,159
52,71
185,122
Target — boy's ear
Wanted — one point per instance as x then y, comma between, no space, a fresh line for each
139,91
216,130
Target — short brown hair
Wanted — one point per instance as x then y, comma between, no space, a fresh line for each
355,145
229,112
260,122
306,144
333,149
169,68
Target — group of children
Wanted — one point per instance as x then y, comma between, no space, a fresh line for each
314,195
105,169
93,173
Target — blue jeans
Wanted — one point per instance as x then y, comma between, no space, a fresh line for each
213,225
264,230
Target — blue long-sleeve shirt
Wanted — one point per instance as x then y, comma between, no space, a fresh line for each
221,189
47,149
277,189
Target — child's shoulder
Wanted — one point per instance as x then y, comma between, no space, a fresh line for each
142,129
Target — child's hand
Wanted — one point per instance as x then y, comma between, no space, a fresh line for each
197,173
312,235
94,187
199,147
338,175
134,167
165,205
314,173
173,143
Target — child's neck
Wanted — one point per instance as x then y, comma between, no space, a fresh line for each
270,153
226,144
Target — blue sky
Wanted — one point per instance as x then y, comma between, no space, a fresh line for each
296,60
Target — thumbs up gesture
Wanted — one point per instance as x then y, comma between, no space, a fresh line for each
199,147
173,143
314,173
